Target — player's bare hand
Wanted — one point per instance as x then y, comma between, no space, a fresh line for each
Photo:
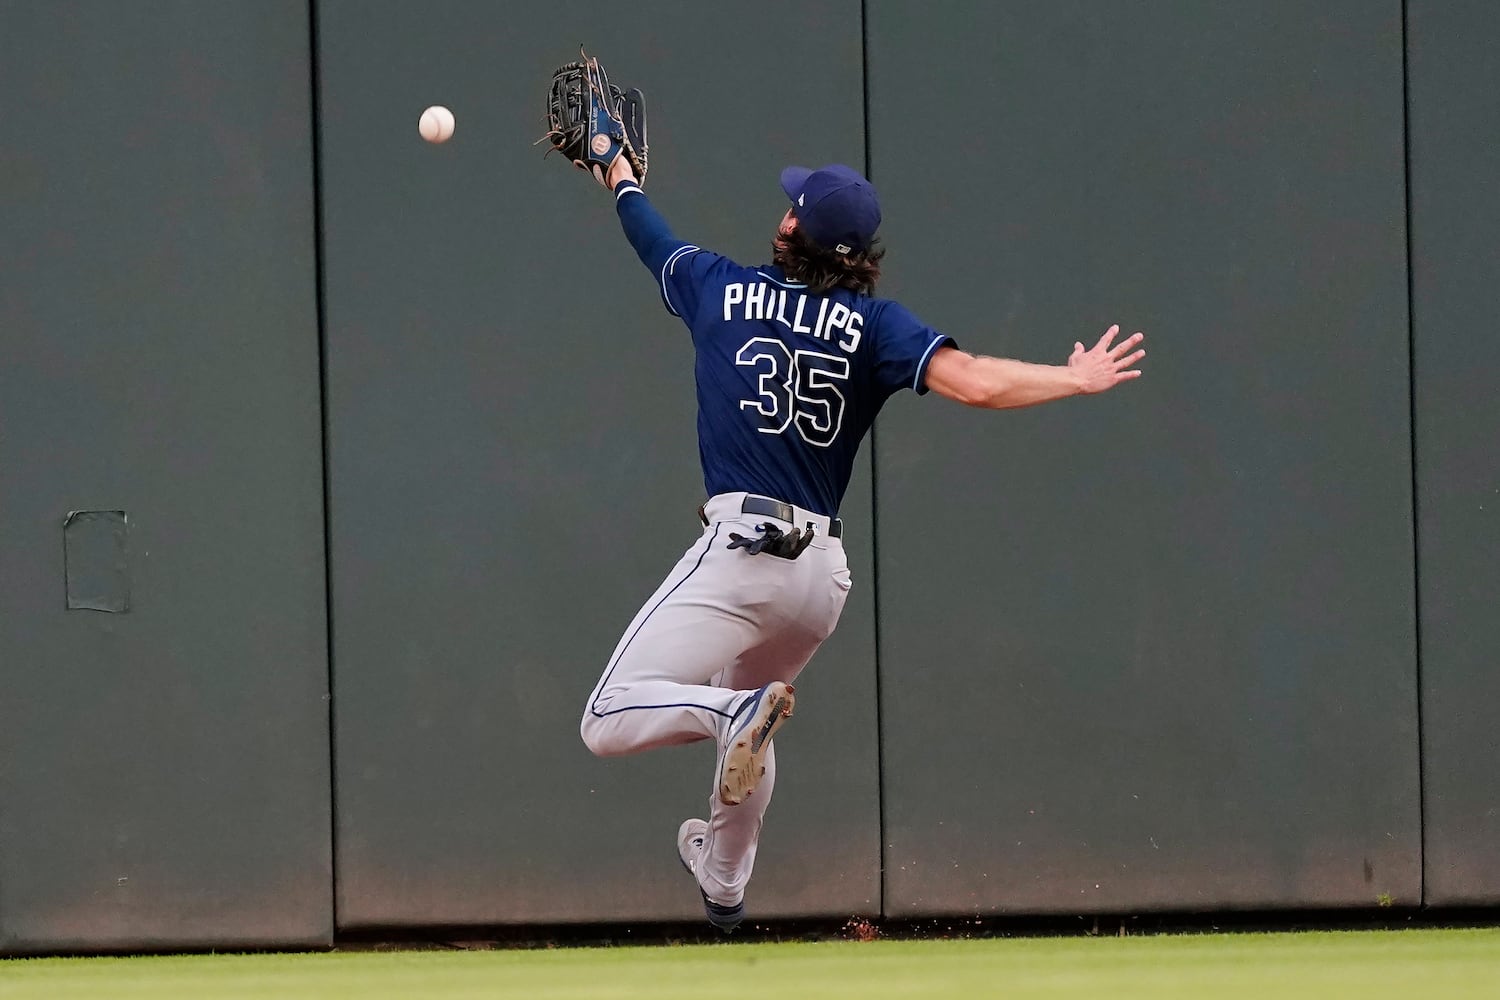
1104,366
620,170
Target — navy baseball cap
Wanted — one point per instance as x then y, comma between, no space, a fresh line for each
835,206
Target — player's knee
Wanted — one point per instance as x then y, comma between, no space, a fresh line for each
595,733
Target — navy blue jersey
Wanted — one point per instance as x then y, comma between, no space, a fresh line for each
788,382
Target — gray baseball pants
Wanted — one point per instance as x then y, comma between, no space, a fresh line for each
722,624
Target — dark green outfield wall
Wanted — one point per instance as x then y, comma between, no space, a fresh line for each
1166,658
405,426
513,469
164,773
1455,214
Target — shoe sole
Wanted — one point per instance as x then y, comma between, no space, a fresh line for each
743,759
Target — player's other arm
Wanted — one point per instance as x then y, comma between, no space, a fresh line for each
1003,384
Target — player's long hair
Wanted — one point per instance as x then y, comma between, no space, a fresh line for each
822,270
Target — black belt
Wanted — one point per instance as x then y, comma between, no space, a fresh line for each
781,511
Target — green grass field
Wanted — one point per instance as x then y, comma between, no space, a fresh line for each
1364,964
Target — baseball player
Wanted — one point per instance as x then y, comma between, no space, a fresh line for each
793,361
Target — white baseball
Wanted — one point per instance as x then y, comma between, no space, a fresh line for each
436,124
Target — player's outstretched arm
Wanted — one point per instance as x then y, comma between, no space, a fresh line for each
644,227
1002,384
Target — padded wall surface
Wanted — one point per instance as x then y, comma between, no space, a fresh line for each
164,771
513,460
1455,156
1153,649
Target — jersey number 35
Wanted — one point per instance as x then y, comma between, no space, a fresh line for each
795,388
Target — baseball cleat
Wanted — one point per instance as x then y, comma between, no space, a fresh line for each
690,838
725,918
743,764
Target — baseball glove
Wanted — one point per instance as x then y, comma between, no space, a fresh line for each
592,123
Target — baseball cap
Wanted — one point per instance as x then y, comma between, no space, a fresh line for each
835,206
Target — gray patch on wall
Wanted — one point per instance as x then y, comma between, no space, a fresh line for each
95,569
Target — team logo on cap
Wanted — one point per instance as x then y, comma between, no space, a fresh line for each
600,145
843,248
799,200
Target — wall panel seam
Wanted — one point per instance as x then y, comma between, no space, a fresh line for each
315,109
1411,383
864,74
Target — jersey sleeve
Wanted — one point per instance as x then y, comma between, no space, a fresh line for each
683,276
904,346
680,268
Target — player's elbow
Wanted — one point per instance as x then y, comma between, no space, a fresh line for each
960,377
978,392
971,388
